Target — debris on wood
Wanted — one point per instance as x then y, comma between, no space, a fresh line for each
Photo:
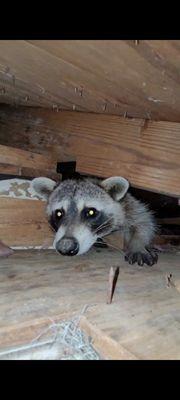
115,240
59,341
169,281
113,276
5,251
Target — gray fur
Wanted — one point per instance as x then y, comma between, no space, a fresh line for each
117,210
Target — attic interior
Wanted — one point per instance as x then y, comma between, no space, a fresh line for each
105,108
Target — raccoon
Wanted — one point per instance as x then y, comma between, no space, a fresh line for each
83,211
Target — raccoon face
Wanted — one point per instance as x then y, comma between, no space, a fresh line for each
77,229
80,212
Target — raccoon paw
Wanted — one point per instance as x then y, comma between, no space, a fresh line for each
148,256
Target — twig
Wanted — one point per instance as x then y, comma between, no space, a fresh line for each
113,247
113,276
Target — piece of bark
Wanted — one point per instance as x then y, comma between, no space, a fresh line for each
5,251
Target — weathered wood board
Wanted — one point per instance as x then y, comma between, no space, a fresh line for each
21,162
24,223
145,152
143,321
140,78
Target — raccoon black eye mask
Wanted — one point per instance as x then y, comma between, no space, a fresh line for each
94,219
82,211
56,218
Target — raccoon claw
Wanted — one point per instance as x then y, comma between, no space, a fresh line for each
149,257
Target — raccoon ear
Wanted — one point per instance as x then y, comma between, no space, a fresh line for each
43,186
116,186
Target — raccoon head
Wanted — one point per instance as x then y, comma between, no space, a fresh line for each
82,211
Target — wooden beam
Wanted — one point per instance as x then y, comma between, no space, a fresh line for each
7,169
22,158
104,344
23,223
38,288
108,77
26,163
147,153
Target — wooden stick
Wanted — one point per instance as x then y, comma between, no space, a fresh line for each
113,276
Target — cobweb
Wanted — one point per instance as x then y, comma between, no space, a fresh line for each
60,341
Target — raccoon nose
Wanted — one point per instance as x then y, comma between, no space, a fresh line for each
67,246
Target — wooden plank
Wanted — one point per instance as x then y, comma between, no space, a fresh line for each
27,235
24,223
104,76
147,153
44,87
41,287
26,163
22,158
26,128
7,169
14,211
105,345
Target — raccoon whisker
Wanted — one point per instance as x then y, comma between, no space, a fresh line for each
114,247
108,225
103,227
104,223
108,221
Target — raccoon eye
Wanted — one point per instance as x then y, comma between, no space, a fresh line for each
91,212
59,213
